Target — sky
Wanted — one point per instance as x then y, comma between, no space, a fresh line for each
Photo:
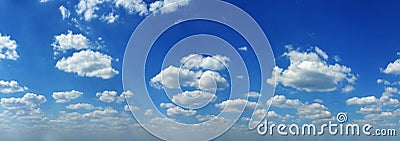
62,68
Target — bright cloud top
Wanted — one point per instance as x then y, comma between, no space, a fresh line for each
8,48
311,72
64,42
88,63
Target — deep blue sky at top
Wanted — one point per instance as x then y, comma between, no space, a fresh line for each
364,34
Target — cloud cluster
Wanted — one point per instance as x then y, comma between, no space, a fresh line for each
91,9
66,96
311,72
11,87
8,48
173,110
372,104
197,71
316,112
25,108
393,68
195,98
80,106
85,62
111,96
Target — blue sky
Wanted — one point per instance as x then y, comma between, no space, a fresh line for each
61,66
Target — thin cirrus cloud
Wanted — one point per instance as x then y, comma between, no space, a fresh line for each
311,72
8,48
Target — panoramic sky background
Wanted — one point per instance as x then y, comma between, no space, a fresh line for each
61,66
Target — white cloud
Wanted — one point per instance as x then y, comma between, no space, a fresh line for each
66,96
65,13
235,106
315,111
216,62
11,87
202,118
173,110
107,96
167,6
244,48
172,77
88,8
43,1
131,108
29,100
309,72
25,108
393,68
133,6
193,99
110,18
148,112
8,48
177,111
111,96
347,89
362,100
80,106
372,104
321,53
281,102
168,78
88,63
254,94
64,42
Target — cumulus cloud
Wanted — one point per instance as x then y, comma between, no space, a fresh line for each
206,79
25,108
171,77
111,96
88,63
373,104
198,61
236,105
11,87
86,106
87,8
8,48
110,18
173,110
193,99
310,71
131,108
133,6
244,48
65,13
66,96
167,6
316,112
393,68
64,42
107,96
